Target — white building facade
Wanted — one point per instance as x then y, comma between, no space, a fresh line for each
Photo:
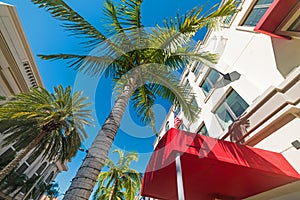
259,47
18,73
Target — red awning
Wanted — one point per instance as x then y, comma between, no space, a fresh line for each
273,17
213,169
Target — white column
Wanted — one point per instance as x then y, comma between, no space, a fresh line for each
180,188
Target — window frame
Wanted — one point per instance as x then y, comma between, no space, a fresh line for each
41,168
223,102
49,178
282,29
167,126
229,19
210,83
249,11
187,85
199,65
19,168
200,128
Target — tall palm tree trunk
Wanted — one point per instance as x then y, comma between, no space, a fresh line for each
83,183
8,168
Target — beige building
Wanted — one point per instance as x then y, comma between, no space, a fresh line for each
18,73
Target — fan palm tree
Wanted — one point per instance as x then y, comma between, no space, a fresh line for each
51,124
141,61
119,182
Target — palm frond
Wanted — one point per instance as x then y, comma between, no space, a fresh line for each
90,65
178,32
120,181
142,100
166,85
168,39
56,114
195,20
207,58
72,21
131,14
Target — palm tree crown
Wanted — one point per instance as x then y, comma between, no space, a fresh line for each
119,181
141,61
54,122
126,47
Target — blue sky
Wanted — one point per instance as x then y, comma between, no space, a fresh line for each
46,36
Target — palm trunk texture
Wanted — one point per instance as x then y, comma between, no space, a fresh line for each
83,183
8,168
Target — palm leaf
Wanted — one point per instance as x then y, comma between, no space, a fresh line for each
195,20
90,65
207,58
39,111
72,21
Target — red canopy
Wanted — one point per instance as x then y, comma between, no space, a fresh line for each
213,169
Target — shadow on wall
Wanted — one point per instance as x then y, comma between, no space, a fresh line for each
287,54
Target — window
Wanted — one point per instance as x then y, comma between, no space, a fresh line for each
230,109
203,130
22,168
210,81
228,19
295,25
176,109
41,168
183,127
197,69
32,158
50,177
6,157
188,87
257,11
291,24
20,144
167,127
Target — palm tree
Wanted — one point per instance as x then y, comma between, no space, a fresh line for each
51,124
141,61
52,191
119,182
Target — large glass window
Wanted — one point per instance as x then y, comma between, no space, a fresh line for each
22,168
32,158
203,130
210,81
50,177
257,11
6,157
230,109
41,168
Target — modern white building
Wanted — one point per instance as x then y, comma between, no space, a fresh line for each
259,48
18,73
